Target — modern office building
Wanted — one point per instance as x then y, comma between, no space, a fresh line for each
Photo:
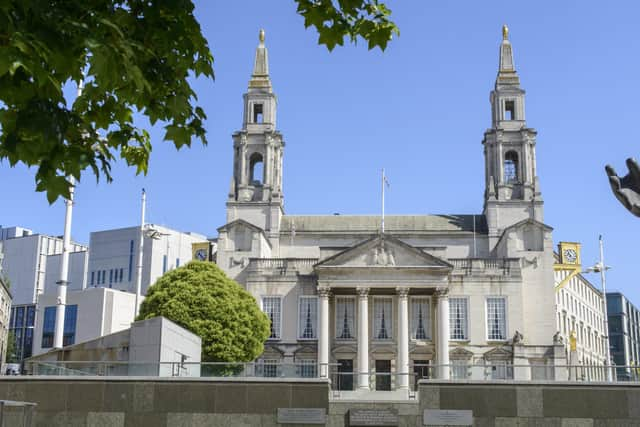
382,297
113,255
31,263
579,311
624,335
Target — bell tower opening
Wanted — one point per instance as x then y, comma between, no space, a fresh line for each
258,114
510,110
256,166
511,167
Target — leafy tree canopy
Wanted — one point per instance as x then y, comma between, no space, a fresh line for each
134,56
202,299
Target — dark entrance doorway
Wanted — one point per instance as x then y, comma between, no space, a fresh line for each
421,369
383,375
345,374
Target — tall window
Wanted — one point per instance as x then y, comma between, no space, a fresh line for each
48,327
164,264
383,319
130,259
70,320
420,319
345,318
93,275
306,368
257,113
458,318
511,167
271,306
459,369
307,318
256,169
496,319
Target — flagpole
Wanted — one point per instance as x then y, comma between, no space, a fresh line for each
382,222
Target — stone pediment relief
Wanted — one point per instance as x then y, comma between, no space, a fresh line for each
305,349
460,353
498,353
384,251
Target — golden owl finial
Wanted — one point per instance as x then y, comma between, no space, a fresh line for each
573,340
505,32
261,36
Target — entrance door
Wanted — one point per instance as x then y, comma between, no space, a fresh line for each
383,375
345,374
420,370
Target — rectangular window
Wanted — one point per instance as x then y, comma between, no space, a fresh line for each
271,306
110,276
19,317
308,318
121,274
257,113
93,276
177,262
31,316
27,349
130,259
306,368
382,319
164,264
70,320
420,319
345,318
48,327
501,370
267,368
496,319
458,318
509,110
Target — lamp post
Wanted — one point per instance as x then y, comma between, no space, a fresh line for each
600,267
140,249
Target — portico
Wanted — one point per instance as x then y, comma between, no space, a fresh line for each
373,285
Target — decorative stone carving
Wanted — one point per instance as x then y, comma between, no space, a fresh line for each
243,262
441,293
383,256
557,339
627,188
517,338
362,292
324,291
402,291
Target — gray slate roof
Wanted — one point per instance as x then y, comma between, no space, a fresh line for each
392,223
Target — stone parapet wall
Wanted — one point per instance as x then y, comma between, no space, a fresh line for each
159,402
538,404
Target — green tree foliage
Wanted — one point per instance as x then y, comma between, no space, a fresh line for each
135,57
11,356
202,299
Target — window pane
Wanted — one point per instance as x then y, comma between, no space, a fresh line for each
420,319
496,319
271,306
70,318
383,320
308,316
48,327
458,318
345,318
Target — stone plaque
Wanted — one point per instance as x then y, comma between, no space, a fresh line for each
448,417
373,417
302,416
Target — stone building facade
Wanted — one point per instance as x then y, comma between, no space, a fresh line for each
471,295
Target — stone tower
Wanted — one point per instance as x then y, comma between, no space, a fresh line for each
512,192
255,194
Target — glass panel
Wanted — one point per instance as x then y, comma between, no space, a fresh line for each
48,327
271,307
345,318
307,317
420,319
383,320
458,318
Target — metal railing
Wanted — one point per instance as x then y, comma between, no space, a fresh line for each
28,409
342,376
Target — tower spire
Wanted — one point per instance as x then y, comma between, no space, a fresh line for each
507,75
260,77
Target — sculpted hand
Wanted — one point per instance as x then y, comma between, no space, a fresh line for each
627,188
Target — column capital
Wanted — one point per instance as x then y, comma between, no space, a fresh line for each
441,293
324,291
402,291
362,292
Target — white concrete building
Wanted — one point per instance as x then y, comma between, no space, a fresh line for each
113,255
5,310
151,347
384,300
579,310
89,314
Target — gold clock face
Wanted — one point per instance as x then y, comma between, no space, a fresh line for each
570,256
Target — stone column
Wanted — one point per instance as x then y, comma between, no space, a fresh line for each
442,345
363,338
323,329
402,364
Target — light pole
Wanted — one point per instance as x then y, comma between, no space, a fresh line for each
600,267
140,248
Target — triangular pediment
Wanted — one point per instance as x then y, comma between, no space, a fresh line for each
460,353
498,353
384,250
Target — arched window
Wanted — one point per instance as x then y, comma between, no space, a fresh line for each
511,167
257,169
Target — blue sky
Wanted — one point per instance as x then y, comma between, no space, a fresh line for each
419,110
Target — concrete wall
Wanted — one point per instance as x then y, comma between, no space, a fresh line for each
160,402
77,271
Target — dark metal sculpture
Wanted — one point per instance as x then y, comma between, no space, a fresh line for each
627,188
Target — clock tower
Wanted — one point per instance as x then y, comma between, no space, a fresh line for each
512,191
255,193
